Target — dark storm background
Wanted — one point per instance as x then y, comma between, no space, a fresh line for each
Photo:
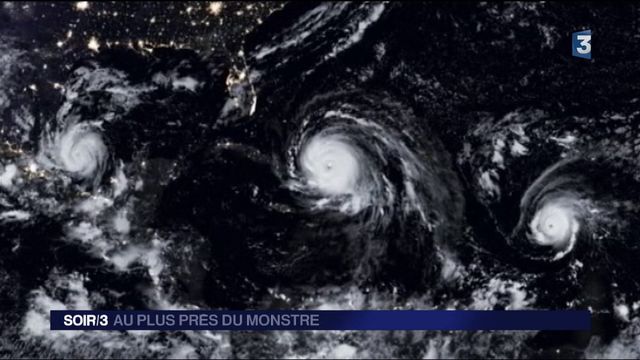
208,222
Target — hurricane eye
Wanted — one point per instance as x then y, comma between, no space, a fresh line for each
332,165
81,152
554,224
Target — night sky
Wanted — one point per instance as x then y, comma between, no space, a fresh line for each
75,28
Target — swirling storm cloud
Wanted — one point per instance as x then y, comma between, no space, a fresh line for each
343,155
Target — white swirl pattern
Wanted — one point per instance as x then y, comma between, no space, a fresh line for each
556,224
81,151
348,161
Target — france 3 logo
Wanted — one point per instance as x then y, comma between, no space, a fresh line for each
581,44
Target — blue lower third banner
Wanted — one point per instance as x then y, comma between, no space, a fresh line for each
321,320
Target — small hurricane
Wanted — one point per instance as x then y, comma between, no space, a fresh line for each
80,151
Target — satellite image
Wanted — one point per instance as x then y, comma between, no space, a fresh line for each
320,156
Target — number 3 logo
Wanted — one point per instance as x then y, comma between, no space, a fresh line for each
585,44
581,44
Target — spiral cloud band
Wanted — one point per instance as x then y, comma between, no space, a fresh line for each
80,151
